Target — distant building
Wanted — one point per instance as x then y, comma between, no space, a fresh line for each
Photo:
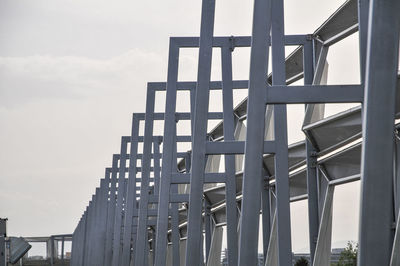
335,255
225,259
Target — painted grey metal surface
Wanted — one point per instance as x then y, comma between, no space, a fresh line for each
255,133
168,222
142,238
193,245
323,247
130,202
376,217
3,234
121,193
111,211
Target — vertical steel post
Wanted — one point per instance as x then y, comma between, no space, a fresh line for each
105,215
94,228
120,198
207,227
311,160
280,127
111,210
73,245
130,204
76,241
229,130
167,158
83,246
157,172
102,216
252,173
142,237
62,249
2,251
266,212
85,236
363,10
175,220
52,251
157,166
376,220
193,244
88,234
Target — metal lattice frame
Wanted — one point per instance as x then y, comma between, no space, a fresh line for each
274,173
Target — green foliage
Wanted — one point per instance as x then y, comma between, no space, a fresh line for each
301,262
348,257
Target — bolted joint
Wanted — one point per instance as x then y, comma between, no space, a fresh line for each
207,210
232,43
266,182
313,164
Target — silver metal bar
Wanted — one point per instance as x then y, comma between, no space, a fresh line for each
315,94
111,210
167,159
142,243
312,191
280,128
121,193
234,147
179,198
345,180
266,213
341,35
229,130
376,233
194,234
184,178
175,221
248,247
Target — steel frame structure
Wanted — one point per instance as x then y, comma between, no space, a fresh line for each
163,226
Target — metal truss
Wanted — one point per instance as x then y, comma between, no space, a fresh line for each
176,216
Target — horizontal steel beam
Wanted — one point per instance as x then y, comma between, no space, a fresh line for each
184,178
234,147
314,94
178,198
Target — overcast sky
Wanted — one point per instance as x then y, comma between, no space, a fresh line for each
73,72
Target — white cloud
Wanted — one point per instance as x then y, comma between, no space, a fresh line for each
31,78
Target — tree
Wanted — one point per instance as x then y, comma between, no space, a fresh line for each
301,262
348,257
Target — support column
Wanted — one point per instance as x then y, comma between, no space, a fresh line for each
120,198
281,155
102,222
167,158
193,246
111,211
175,235
142,236
266,213
376,219
216,245
312,191
2,251
229,130
323,247
248,247
271,258
130,204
